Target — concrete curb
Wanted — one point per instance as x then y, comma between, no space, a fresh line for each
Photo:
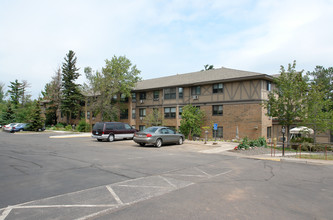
72,135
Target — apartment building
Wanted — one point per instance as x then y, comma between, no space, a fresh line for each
230,98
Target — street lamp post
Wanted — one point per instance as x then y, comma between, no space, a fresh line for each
283,132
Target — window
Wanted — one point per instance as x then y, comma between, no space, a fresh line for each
269,132
180,92
196,90
124,114
142,95
142,127
218,132
170,112
268,85
133,114
123,98
170,93
127,126
269,110
156,95
114,99
218,88
217,109
142,112
88,115
180,111
133,97
109,126
119,126
166,131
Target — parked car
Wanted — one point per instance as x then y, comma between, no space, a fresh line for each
10,127
20,127
111,131
158,136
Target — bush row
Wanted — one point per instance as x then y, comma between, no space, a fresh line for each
81,127
246,143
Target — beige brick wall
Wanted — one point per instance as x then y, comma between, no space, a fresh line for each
249,118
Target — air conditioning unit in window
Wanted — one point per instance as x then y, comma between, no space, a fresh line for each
195,97
141,118
156,99
141,101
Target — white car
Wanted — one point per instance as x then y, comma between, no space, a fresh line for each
9,127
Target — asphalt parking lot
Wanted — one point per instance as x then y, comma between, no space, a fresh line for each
80,178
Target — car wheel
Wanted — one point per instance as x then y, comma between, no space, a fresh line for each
142,144
99,140
111,138
158,143
180,141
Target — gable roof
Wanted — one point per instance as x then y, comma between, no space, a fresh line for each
198,78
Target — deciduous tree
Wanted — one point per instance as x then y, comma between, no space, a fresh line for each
287,101
118,76
192,120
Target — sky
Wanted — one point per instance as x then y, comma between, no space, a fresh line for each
162,38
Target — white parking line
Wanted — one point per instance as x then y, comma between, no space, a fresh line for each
202,171
5,213
138,186
115,196
166,180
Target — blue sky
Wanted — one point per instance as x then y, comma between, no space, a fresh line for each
162,37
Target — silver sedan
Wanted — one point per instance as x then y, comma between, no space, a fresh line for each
158,136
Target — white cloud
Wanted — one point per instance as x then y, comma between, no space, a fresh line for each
162,37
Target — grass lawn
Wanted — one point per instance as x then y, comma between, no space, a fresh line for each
316,156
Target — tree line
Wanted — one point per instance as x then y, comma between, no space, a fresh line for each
62,93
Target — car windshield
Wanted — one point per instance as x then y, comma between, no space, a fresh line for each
150,130
98,126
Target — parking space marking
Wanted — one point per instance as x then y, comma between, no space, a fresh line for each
166,180
121,194
115,196
5,213
202,171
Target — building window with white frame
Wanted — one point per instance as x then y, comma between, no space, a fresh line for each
218,88
195,90
170,112
170,93
218,110
142,112
180,92
268,85
156,94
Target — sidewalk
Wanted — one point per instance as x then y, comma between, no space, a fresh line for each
226,147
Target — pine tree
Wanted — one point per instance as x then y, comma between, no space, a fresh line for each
15,91
37,121
71,95
7,115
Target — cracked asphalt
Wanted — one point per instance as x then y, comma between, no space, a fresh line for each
80,178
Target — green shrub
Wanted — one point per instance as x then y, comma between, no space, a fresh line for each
262,142
59,126
68,128
83,126
244,143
